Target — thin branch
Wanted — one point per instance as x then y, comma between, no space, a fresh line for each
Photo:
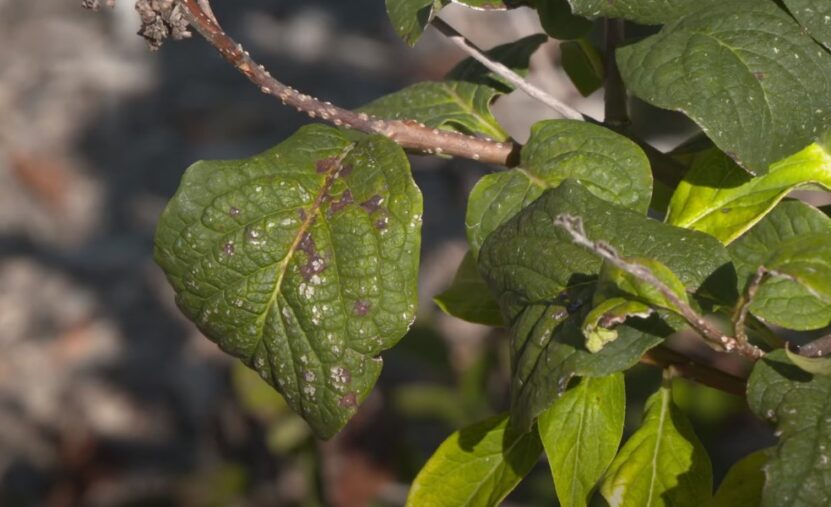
512,77
664,357
409,134
743,306
817,348
574,226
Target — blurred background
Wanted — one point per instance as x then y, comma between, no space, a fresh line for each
108,396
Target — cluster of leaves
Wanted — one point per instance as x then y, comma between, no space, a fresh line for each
302,261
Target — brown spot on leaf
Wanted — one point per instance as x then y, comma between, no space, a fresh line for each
726,210
345,171
315,263
361,307
302,214
759,75
228,248
344,201
234,211
348,400
373,203
381,223
325,165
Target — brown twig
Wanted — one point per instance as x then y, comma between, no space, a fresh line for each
664,357
818,348
743,306
574,226
409,134
501,70
615,101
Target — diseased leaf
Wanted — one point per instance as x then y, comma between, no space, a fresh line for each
609,165
798,471
581,433
461,103
476,466
599,325
558,21
468,297
812,365
662,464
781,301
301,261
717,198
647,12
543,282
743,483
815,16
744,71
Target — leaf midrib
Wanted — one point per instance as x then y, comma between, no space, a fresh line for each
311,216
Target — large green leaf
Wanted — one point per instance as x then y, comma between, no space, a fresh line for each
609,165
468,297
744,71
648,12
798,472
476,466
581,433
301,261
781,301
718,198
662,464
742,486
463,101
814,15
544,282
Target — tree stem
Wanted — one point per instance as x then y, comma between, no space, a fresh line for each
616,106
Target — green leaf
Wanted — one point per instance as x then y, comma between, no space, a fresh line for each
643,290
543,282
780,301
609,165
743,483
599,325
583,64
798,471
469,298
662,464
581,433
301,261
813,365
815,16
410,17
476,466
558,21
462,103
548,349
807,261
455,105
647,12
744,71
716,197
